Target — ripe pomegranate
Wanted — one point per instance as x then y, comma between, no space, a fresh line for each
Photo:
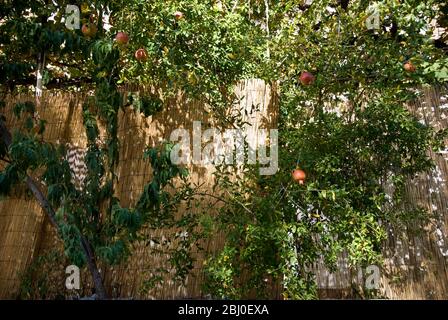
409,67
141,54
85,29
298,175
122,38
307,78
89,30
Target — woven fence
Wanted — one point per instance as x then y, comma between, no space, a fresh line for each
25,234
415,264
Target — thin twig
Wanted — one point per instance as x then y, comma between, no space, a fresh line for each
240,203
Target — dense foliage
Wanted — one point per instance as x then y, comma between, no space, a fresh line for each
349,129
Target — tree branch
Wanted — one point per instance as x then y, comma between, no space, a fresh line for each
33,186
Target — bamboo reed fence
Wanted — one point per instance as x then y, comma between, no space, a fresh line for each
25,234
415,265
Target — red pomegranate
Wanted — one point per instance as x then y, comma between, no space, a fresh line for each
122,38
298,175
307,78
89,30
141,54
409,67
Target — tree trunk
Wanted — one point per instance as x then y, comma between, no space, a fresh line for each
93,268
